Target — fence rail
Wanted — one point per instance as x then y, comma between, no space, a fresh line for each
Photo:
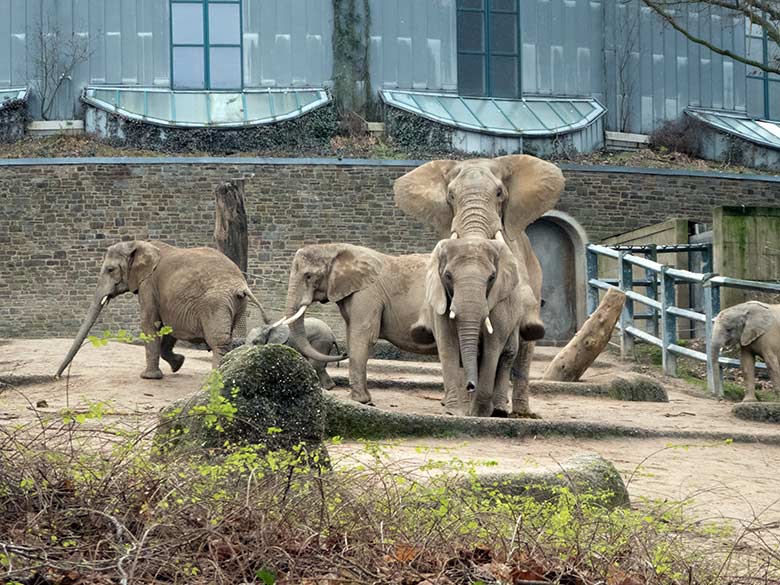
660,283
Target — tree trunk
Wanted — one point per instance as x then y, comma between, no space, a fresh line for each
231,233
572,361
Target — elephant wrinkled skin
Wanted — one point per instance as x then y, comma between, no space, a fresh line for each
477,301
379,296
198,292
486,199
755,327
318,333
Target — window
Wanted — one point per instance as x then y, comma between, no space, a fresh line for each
206,44
489,48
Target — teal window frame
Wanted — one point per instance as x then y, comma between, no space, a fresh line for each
487,54
764,76
206,46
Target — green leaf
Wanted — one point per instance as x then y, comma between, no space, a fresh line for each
266,576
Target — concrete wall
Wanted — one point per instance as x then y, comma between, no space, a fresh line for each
56,220
746,244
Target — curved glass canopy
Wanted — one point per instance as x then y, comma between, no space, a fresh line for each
11,94
531,116
763,132
165,107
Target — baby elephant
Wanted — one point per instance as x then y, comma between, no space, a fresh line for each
755,327
318,332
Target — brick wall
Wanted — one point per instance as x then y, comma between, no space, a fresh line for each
57,220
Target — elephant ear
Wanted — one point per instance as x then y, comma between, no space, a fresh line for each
435,295
353,269
422,194
758,318
279,334
533,187
142,259
507,275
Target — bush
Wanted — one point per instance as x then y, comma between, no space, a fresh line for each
682,135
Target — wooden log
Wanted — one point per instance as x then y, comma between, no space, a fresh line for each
231,233
574,359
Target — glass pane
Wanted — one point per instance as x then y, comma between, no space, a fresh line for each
159,105
226,107
504,5
520,114
459,111
489,114
225,67
224,24
132,101
188,68
503,76
284,103
431,105
106,95
257,106
471,31
191,107
308,97
477,4
566,111
187,23
546,115
503,34
471,75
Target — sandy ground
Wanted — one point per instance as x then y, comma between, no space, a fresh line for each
734,481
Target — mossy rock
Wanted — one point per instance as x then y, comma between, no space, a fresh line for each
637,388
582,474
277,399
758,411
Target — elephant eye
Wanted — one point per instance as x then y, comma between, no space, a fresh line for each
492,277
110,269
448,276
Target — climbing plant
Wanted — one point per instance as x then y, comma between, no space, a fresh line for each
351,75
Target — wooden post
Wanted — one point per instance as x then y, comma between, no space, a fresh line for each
230,232
572,361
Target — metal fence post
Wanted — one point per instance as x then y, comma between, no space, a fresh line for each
627,315
652,289
714,372
668,323
592,272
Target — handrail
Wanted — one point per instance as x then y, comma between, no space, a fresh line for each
660,282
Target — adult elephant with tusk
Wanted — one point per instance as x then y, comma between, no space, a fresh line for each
198,292
379,296
488,199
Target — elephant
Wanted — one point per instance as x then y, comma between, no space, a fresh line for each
755,327
379,296
318,333
487,199
477,300
198,292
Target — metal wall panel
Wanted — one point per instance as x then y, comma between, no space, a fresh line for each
413,44
653,72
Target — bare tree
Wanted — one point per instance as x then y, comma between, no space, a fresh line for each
55,59
764,14
627,48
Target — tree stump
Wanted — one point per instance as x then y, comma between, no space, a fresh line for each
572,361
231,233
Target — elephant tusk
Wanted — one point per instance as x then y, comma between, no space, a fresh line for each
297,315
452,313
488,325
104,301
279,322
454,236
500,237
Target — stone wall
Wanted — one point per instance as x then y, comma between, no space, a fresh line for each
57,219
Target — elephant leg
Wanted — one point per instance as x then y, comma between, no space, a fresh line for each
747,359
362,334
456,401
520,375
482,399
217,330
503,382
175,360
773,365
150,325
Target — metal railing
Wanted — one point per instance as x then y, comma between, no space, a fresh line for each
661,281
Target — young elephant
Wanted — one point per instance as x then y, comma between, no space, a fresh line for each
477,301
198,292
379,296
318,333
756,328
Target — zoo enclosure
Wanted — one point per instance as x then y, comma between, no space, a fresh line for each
660,284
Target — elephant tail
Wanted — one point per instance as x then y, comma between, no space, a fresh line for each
253,299
338,351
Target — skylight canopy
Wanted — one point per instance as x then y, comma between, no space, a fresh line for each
763,132
12,94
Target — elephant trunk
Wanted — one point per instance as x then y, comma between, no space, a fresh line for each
298,329
93,313
471,313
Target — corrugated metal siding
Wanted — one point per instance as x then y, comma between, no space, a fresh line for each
413,44
662,72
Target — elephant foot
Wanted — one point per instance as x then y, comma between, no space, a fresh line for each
750,399
526,414
361,397
499,413
327,383
176,362
152,374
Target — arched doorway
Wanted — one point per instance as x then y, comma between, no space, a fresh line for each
559,243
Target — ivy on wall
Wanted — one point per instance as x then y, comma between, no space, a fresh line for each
351,42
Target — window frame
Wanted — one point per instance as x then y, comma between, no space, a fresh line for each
487,12
207,46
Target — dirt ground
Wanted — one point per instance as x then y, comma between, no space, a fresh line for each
736,481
